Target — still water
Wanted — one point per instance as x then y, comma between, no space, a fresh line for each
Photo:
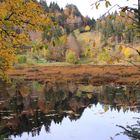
68,111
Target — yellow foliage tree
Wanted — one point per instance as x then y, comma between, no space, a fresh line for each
127,51
17,19
87,28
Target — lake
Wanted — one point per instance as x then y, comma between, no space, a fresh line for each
32,110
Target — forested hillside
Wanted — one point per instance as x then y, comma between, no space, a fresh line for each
53,34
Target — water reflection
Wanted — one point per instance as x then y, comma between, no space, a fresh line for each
27,106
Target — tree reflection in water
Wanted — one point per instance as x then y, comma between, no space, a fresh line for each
27,106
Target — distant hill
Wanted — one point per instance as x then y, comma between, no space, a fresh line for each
69,18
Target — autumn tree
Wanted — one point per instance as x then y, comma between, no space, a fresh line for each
134,11
117,27
126,8
17,19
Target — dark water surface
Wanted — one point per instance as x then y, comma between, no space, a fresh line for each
67,111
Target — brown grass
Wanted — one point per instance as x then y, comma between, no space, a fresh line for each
80,73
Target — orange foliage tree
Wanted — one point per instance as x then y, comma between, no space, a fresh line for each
17,18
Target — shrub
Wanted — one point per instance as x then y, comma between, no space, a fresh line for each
22,59
71,57
104,56
47,54
88,52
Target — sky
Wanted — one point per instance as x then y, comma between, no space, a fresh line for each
86,9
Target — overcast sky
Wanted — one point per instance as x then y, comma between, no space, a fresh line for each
85,6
